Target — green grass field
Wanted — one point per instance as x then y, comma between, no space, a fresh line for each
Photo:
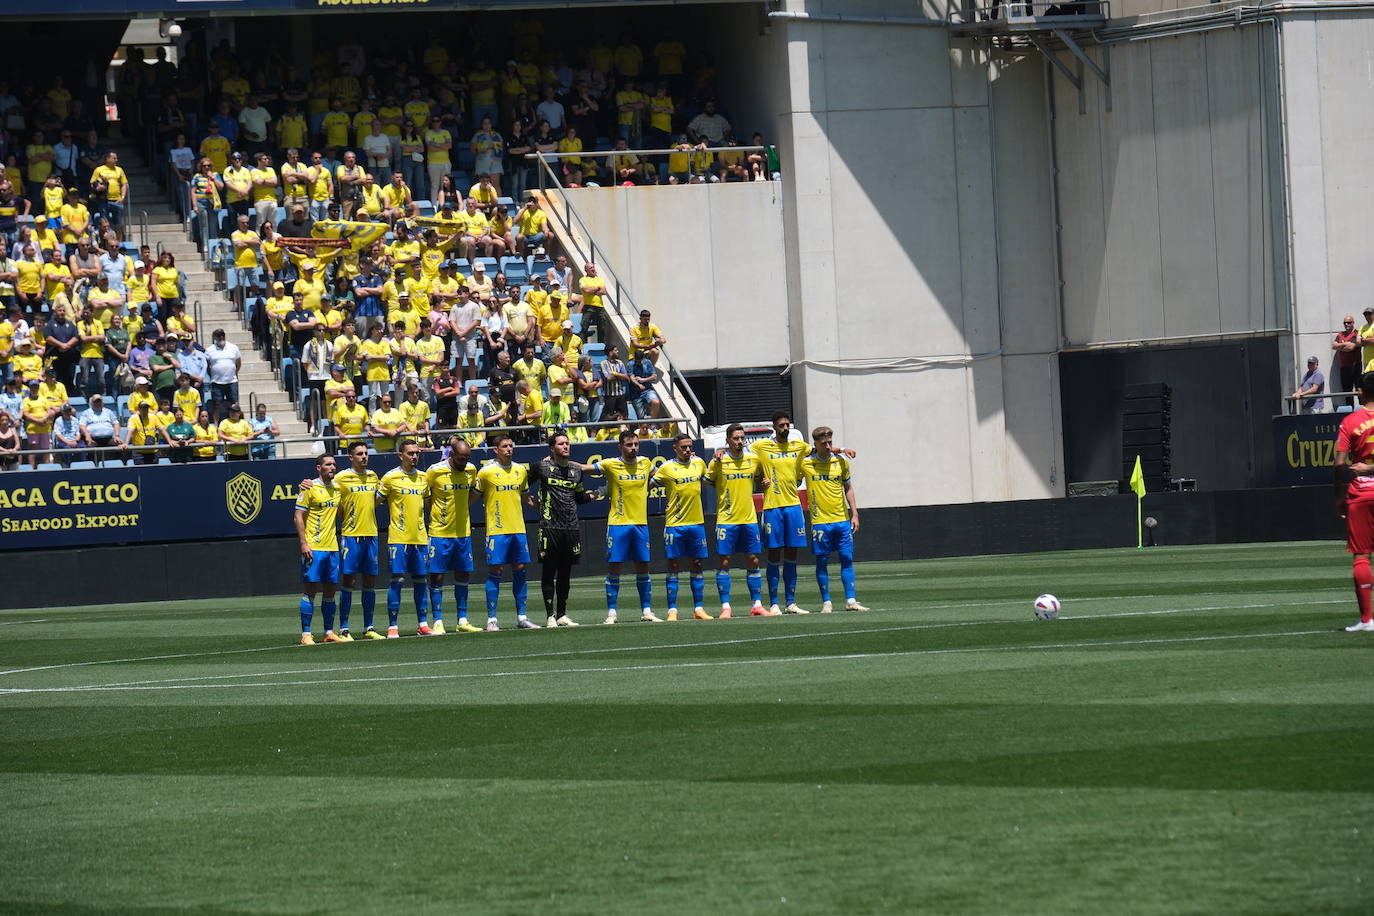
1194,735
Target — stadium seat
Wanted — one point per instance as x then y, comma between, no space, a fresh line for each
540,266
462,181
507,202
465,160
603,144
576,323
427,207
491,265
515,269
78,402
164,461
82,465
24,467
50,466
464,267
122,407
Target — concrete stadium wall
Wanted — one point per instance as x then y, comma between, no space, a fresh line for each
1172,202
917,207
270,566
1329,104
707,260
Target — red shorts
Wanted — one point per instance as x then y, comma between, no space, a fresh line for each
1359,522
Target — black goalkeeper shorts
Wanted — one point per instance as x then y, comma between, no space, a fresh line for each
560,546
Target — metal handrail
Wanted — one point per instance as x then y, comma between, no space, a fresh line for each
604,153
1033,9
609,270
196,316
142,228
283,441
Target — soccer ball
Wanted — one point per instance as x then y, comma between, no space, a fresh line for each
1047,607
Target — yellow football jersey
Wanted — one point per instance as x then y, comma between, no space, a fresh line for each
683,483
825,482
448,506
780,466
501,488
734,482
320,503
405,499
627,490
358,501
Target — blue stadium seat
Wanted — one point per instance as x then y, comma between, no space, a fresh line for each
597,351
426,207
576,323
78,402
491,265
462,181
164,461
603,144
122,406
111,462
463,266
464,159
82,465
25,467
50,466
515,269
540,266
507,202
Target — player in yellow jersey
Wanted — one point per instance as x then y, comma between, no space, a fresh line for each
450,531
358,535
834,515
737,530
627,523
317,510
503,486
784,524
404,491
684,527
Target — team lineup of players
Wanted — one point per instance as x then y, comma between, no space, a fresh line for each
430,528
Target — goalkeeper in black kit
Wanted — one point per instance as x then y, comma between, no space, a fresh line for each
560,540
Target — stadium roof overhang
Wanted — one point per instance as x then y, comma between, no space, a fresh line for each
186,9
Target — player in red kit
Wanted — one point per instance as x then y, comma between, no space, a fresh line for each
1354,480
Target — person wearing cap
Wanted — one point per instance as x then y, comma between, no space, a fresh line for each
116,191
100,426
557,413
1366,332
646,339
336,388
551,311
558,375
446,290
142,394
237,434
38,419
568,342
76,222
479,283
66,435
145,432
1312,383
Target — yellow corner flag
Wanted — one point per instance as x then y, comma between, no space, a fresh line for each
1138,487
1138,480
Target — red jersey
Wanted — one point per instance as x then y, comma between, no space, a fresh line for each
1356,436
1348,357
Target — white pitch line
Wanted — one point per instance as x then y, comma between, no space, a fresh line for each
642,648
928,607
10,623
849,656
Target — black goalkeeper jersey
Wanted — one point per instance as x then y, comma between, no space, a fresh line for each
560,490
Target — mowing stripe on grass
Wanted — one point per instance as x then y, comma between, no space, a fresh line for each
727,642
849,656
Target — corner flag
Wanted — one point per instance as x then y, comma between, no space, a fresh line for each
1138,487
1138,480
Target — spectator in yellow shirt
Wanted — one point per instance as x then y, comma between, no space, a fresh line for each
645,338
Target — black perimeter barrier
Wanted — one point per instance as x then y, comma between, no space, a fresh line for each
247,567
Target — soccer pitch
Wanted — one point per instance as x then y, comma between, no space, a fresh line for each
1195,734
